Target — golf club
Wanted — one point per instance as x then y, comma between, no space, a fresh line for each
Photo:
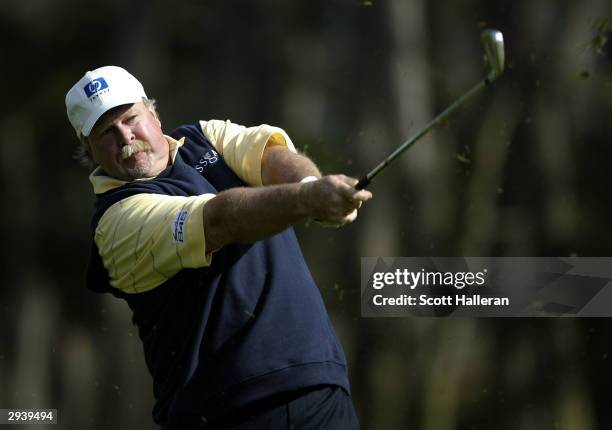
493,45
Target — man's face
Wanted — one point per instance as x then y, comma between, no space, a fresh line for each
128,143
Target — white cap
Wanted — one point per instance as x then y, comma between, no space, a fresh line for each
97,92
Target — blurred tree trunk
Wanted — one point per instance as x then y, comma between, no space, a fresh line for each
80,372
483,221
127,383
31,382
421,173
396,222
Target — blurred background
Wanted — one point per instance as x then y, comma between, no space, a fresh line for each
521,170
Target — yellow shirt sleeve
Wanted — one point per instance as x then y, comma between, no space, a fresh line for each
242,147
146,239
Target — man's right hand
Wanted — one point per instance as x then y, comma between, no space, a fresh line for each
332,200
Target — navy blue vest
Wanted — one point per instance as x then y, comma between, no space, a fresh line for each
249,326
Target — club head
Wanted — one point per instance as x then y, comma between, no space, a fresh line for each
493,45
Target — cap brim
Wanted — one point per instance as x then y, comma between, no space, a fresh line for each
95,116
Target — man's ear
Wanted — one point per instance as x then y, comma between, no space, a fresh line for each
155,116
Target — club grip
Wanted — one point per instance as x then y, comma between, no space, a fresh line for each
363,182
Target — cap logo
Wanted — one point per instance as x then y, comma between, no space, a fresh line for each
95,86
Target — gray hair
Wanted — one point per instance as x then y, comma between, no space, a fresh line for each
82,154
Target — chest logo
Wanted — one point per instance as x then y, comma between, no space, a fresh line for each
208,159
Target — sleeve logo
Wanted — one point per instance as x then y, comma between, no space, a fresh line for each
178,226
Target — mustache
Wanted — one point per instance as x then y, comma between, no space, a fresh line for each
136,146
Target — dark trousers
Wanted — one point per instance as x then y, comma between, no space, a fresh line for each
326,407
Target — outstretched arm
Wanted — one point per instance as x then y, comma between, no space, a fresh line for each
250,214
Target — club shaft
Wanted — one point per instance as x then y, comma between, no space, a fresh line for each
363,182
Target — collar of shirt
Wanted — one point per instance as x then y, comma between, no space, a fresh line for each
102,182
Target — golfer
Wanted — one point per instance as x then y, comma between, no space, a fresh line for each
193,230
